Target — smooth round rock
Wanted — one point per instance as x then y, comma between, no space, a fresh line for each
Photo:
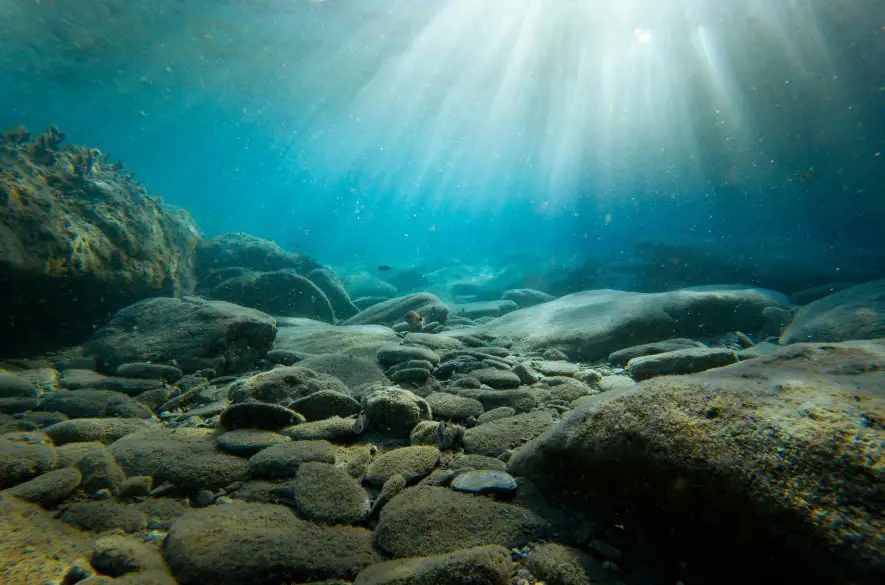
484,481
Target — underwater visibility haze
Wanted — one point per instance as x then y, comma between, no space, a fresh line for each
442,291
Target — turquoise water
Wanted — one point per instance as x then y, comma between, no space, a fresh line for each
390,131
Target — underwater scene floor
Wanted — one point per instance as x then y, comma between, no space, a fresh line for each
181,409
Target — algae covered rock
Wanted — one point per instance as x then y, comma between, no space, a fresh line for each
190,332
261,544
79,239
428,520
783,450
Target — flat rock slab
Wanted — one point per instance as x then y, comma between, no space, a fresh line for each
590,325
680,361
740,454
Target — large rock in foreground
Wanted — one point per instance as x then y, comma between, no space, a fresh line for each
79,239
857,312
261,544
592,324
191,332
778,459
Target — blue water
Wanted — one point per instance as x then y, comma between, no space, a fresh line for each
391,131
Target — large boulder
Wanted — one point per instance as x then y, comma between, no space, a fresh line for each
592,324
190,332
857,312
282,292
79,239
781,453
239,250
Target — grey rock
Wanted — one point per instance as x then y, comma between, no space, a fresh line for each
351,369
391,311
412,463
315,337
394,411
330,429
680,361
435,342
526,297
857,312
247,442
280,293
283,459
326,494
520,399
241,250
445,406
150,371
525,374
480,565
334,290
496,413
12,386
495,378
484,309
21,461
406,375
434,520
326,404
104,430
190,332
795,411
186,458
94,404
282,385
394,485
48,489
590,325
394,354
484,481
495,437
622,356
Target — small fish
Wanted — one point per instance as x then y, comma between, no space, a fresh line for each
413,318
384,268
359,424
440,434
